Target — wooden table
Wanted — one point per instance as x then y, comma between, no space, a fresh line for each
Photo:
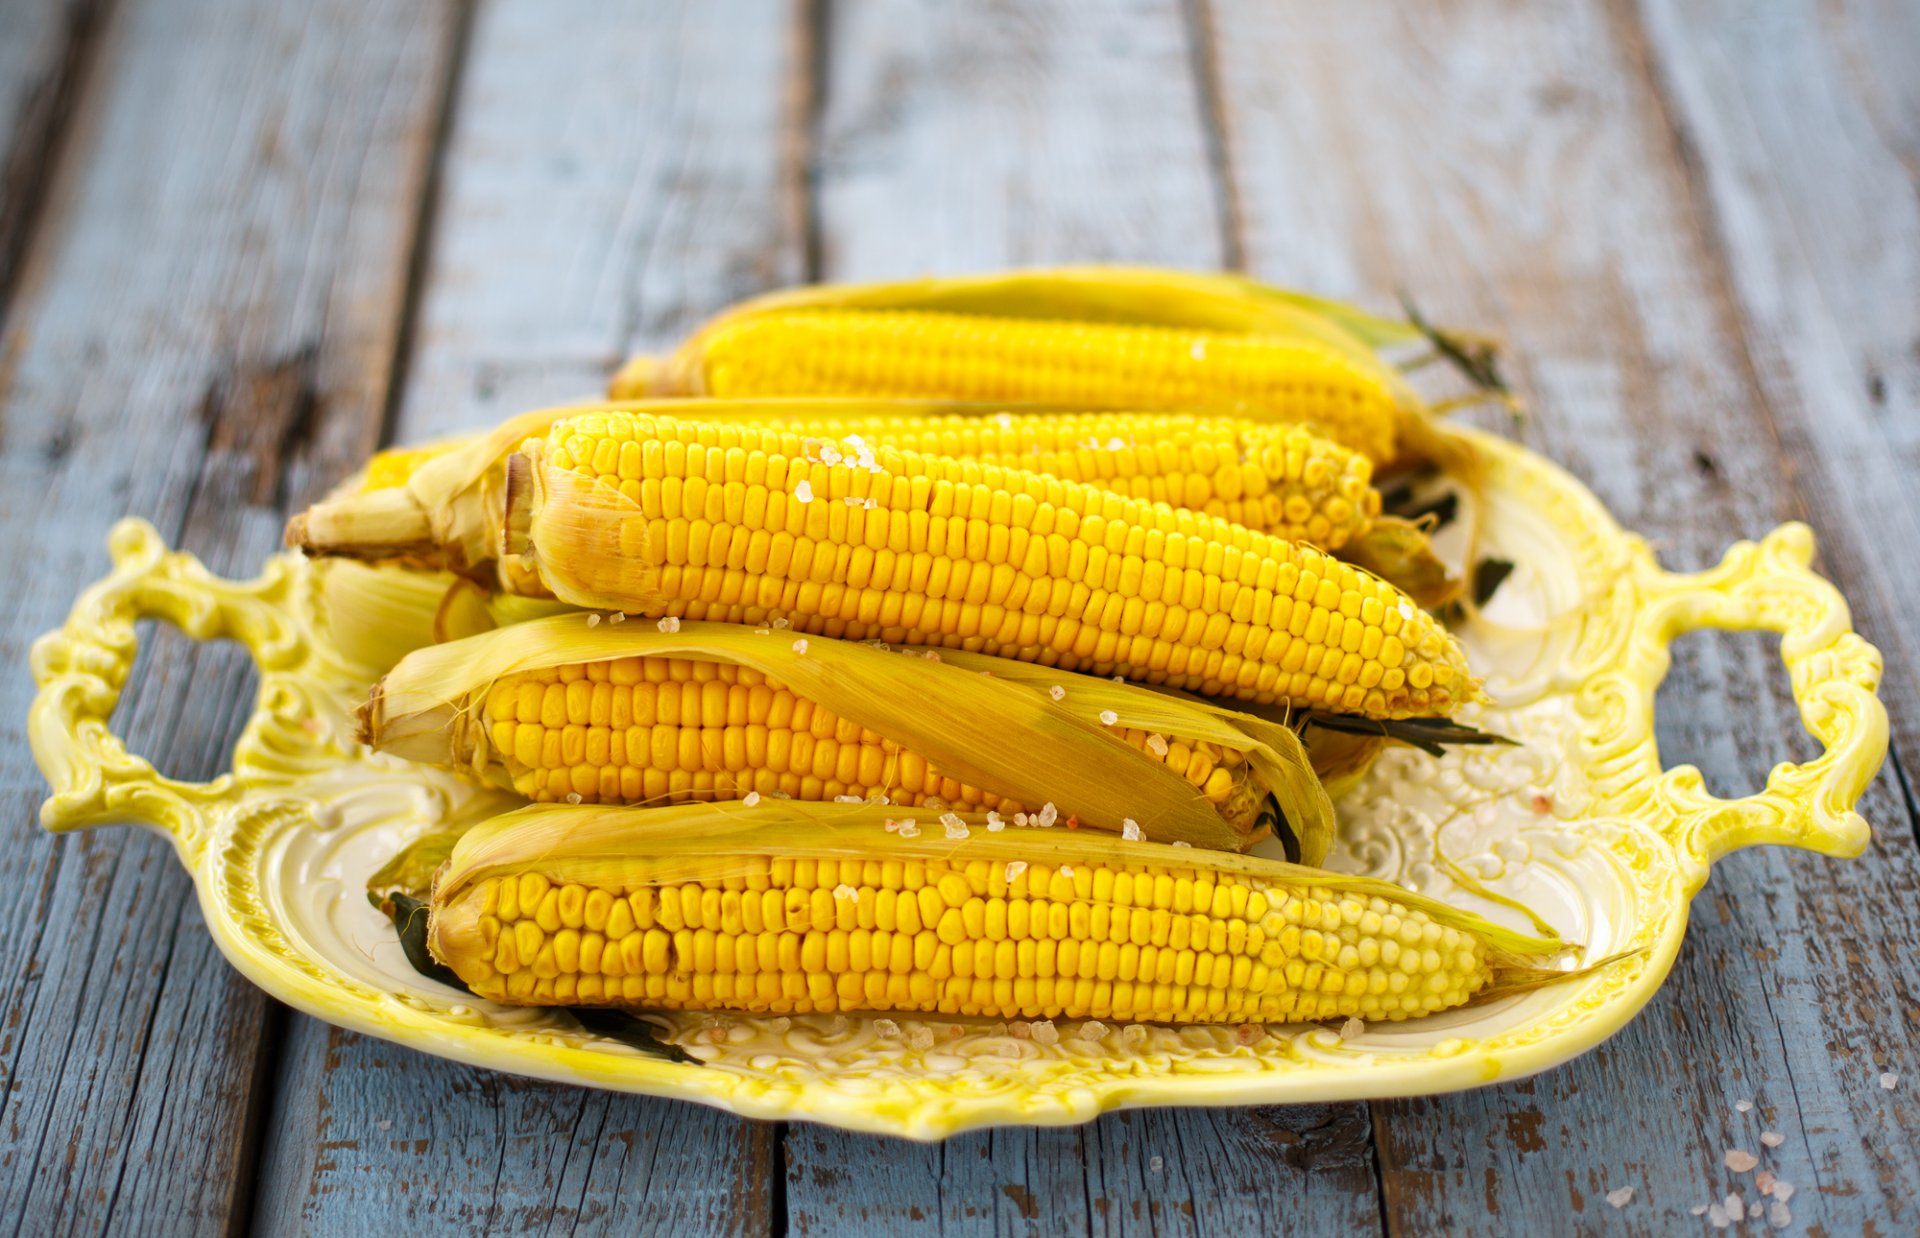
243,244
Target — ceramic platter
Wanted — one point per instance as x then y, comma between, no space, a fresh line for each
1579,822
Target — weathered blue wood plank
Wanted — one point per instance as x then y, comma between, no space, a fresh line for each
958,138
45,46
1518,167
612,174
197,332
1305,1169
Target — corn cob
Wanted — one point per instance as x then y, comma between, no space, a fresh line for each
1127,337
641,512
969,357
1279,479
784,909
631,714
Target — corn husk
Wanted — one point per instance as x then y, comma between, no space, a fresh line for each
630,849
988,722
376,614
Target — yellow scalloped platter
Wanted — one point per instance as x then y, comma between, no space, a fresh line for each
1578,822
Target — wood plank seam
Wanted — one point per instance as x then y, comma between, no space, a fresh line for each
39,139
1201,46
427,214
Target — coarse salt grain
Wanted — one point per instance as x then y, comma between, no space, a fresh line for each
848,799
1351,1028
1014,869
1019,1031
750,799
1888,1080
852,500
593,621
843,890
669,624
1763,1182
1019,818
803,492
1743,1105
1048,814
1157,745
618,616
1739,1160
839,1025
1698,1210
573,797
1057,692
1108,717
870,504
1094,1030
1782,1190
1778,1216
885,1027
1736,1207
1717,1215
779,624
1772,1139
956,829
1181,842
1131,831
1066,871
800,646
995,823
1620,1198
1156,1164
921,1037
1045,1033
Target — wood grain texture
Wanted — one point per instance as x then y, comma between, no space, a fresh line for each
1517,167
1803,121
970,137
612,174
1298,1169
616,174
203,324
45,47
957,137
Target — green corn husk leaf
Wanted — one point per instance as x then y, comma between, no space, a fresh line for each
634,848
411,920
1001,732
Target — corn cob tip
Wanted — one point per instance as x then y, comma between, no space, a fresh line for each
379,524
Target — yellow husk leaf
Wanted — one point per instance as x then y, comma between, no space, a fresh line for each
632,848
376,614
996,731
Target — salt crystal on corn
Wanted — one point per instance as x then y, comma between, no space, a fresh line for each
843,890
1739,1160
1014,869
618,616
1048,814
803,492
885,1027
669,624
1157,745
1131,831
750,798
1045,1033
1620,1198
800,646
593,621
994,823
1108,717
1057,692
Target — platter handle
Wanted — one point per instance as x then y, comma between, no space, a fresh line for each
1770,585
81,668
